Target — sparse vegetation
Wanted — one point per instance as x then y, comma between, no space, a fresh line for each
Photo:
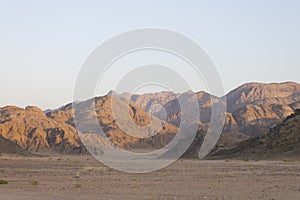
110,169
77,185
3,182
34,183
164,170
289,160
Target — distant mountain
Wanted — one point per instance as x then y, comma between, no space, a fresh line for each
252,109
169,102
256,107
262,93
115,126
32,130
281,141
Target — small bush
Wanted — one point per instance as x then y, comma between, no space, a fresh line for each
77,185
3,182
287,160
34,183
164,170
110,169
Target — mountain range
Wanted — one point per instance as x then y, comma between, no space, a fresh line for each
252,110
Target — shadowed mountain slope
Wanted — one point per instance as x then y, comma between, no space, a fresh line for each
281,141
8,147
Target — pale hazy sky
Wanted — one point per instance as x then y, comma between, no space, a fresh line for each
44,43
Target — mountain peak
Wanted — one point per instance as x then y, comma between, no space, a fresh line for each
34,111
259,93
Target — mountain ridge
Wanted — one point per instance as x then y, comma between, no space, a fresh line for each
253,109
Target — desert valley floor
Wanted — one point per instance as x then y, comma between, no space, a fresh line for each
82,177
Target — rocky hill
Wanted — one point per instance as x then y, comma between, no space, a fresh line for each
55,132
262,93
256,107
32,130
118,119
281,141
166,105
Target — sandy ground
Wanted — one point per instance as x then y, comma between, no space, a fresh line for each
76,177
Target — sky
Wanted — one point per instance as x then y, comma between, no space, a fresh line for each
43,44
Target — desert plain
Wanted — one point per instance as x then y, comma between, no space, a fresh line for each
83,177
